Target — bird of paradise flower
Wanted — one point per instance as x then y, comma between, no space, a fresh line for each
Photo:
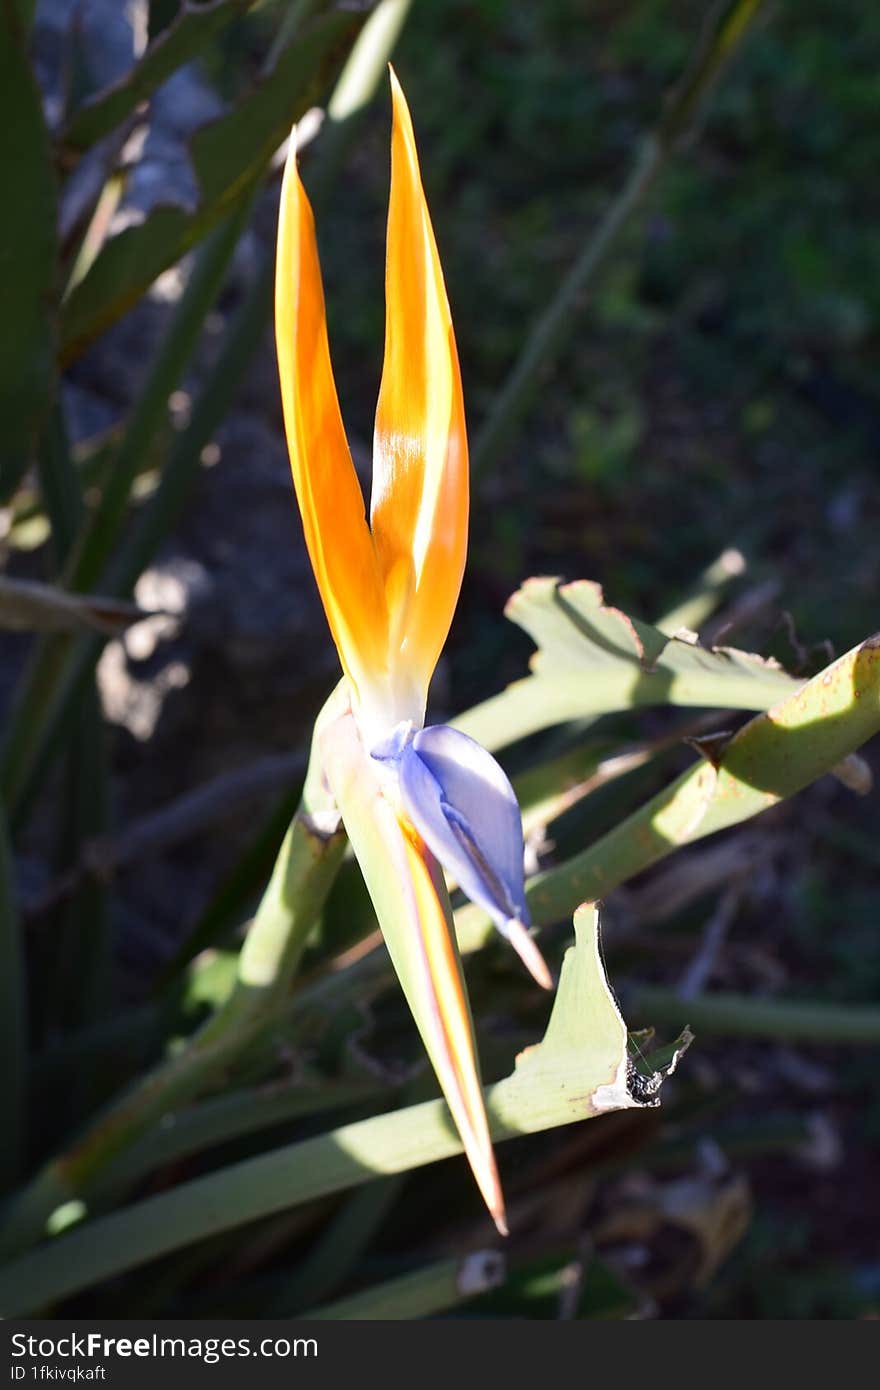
409,796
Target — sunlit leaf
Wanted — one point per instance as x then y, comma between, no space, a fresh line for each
773,756
593,659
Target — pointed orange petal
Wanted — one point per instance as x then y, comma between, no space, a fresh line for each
412,905
327,489
457,1068
419,505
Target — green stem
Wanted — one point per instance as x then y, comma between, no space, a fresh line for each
577,1071
226,1117
341,1244
557,321
422,1293
540,701
772,757
735,1015
261,1186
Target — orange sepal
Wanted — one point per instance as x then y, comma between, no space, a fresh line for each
419,509
330,500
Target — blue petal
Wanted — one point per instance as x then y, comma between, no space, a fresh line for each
465,809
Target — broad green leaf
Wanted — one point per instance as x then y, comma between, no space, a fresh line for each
593,659
192,29
578,1071
28,606
228,156
28,250
770,758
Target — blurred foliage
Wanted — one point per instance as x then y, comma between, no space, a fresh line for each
718,389
722,385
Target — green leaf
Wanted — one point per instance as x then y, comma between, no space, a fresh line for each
577,1072
28,606
771,757
305,868
593,660
82,947
61,488
228,156
28,249
13,1028
340,1246
193,28
583,1060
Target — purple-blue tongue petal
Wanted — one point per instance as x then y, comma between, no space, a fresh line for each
463,806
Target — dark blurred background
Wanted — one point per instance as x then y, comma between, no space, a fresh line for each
719,390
